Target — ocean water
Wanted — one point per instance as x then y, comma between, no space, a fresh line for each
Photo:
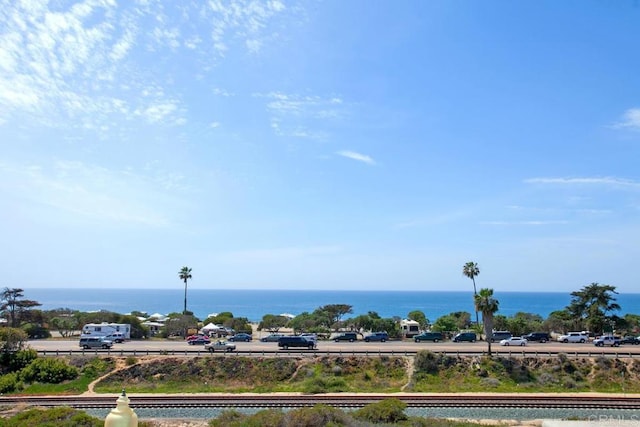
253,304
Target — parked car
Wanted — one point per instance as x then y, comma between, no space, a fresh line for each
514,341
428,336
609,340
537,336
346,336
241,337
465,336
296,341
94,342
376,336
196,336
497,336
272,338
629,339
580,337
117,337
220,345
199,340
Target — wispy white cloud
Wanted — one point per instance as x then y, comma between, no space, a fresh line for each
83,64
357,156
607,181
630,120
299,115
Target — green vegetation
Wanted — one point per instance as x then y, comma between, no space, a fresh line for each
488,305
471,270
27,373
432,372
55,417
260,375
441,373
185,275
389,412
592,308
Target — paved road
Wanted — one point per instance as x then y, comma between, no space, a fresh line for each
62,345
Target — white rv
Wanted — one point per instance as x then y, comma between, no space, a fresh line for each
104,329
409,328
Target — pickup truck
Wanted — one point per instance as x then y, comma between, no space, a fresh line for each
606,340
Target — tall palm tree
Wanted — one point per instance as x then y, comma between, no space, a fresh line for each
471,270
185,274
488,305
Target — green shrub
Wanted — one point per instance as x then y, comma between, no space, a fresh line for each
384,411
55,417
426,362
131,360
14,361
227,418
10,382
22,358
490,382
321,384
36,331
264,418
48,370
317,416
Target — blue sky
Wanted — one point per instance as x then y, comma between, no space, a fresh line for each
320,144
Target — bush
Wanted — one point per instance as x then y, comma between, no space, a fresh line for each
55,417
322,384
227,418
490,382
317,416
22,358
14,361
385,411
36,331
426,362
264,418
48,370
10,383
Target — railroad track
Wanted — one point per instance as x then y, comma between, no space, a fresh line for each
347,400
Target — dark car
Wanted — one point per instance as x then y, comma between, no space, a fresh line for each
498,336
272,338
428,336
241,337
346,336
117,337
295,341
630,340
377,336
537,336
199,340
465,336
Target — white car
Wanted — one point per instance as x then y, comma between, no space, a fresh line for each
219,345
514,341
580,337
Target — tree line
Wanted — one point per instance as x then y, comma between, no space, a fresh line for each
592,308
